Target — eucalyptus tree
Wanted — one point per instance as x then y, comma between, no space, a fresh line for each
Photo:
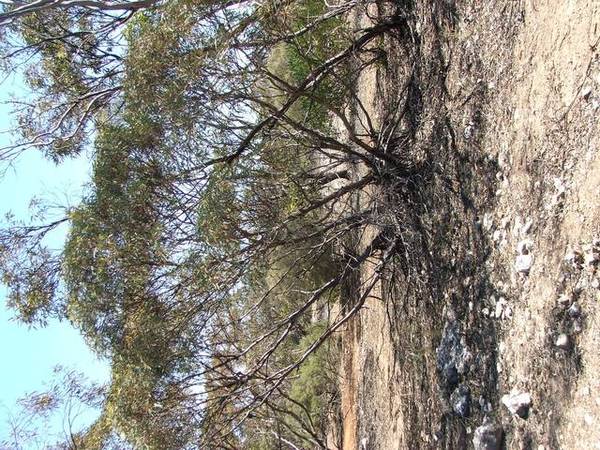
223,214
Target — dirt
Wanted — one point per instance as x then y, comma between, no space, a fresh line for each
503,120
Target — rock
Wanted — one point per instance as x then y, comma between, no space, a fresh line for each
577,326
564,300
517,403
574,258
524,246
453,358
488,221
574,310
469,131
562,341
498,235
595,283
591,256
488,436
461,401
523,263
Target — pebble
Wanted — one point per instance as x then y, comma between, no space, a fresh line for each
517,403
562,341
591,257
574,258
595,283
524,246
574,310
523,263
488,436
488,221
498,235
461,401
577,326
564,300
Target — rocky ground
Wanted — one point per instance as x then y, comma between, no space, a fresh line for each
500,348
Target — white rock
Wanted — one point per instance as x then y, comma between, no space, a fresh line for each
595,283
562,341
517,403
504,222
564,300
508,312
524,246
485,312
498,235
586,91
523,263
559,185
488,221
591,258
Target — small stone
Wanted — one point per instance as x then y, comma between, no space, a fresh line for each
499,310
523,263
564,300
488,436
559,186
461,401
508,312
488,221
591,258
595,283
574,258
524,246
574,310
562,341
468,131
588,419
485,311
498,235
517,403
577,326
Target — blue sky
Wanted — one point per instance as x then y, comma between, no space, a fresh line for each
28,355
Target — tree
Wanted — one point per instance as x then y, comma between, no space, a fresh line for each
224,211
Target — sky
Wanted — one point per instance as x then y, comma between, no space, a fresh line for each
27,356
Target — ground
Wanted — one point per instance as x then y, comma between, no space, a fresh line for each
509,96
